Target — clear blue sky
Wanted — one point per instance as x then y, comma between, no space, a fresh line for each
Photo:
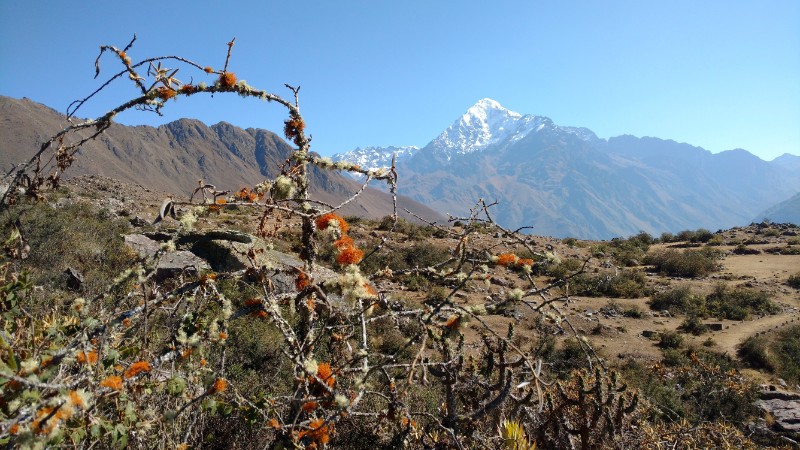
717,74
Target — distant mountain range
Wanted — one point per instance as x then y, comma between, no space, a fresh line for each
174,156
565,181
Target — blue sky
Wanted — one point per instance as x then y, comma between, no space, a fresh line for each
716,74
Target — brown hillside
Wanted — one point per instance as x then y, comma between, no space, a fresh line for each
174,156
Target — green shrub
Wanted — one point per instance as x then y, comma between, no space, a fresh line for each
626,284
689,263
679,300
739,303
775,352
694,325
794,280
670,339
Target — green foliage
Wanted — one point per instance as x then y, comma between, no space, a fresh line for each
739,303
625,284
625,252
696,236
697,386
723,302
775,352
694,325
79,236
688,263
670,339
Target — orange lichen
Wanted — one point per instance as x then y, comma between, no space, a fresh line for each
50,420
273,423
186,353
221,201
188,89
250,302
325,373
525,262
293,127
208,69
114,382
261,314
302,281
344,242
220,384
319,432
126,322
14,429
227,79
89,357
203,362
310,406
350,255
452,322
324,221
507,259
165,93
76,399
408,423
223,335
205,278
137,368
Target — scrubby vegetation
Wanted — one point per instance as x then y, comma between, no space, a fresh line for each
358,335
775,352
723,303
688,263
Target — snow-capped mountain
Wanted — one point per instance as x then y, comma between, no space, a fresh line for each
375,157
484,124
566,181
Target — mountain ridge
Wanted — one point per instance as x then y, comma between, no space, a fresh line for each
174,156
566,181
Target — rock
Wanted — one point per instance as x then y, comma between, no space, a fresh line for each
715,326
223,256
138,222
175,263
142,245
74,279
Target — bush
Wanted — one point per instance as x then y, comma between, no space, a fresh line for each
794,280
739,303
626,284
688,264
694,325
679,300
776,352
670,339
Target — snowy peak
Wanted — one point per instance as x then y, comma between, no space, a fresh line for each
375,157
485,123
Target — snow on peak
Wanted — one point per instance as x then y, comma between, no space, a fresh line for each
485,123
375,157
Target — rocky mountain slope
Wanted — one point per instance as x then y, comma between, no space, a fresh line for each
786,211
174,156
565,181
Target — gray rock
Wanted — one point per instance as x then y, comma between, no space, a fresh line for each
175,263
142,245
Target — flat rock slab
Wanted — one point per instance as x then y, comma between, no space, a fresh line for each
142,245
784,407
175,263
